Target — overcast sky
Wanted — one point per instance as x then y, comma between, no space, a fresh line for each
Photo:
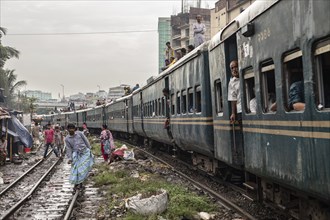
82,62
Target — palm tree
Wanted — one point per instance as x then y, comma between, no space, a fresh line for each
7,77
8,83
6,52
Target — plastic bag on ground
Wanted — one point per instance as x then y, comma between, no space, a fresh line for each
155,204
128,155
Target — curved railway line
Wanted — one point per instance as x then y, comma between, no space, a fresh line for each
231,196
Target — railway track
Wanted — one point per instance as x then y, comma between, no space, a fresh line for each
224,201
228,194
42,192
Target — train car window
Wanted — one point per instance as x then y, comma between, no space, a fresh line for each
191,100
184,101
155,107
163,106
250,103
293,81
198,100
322,64
218,97
145,111
173,104
268,91
139,110
178,103
152,108
159,104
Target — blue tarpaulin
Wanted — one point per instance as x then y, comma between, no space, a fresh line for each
23,134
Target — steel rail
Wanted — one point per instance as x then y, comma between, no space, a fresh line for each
226,202
73,202
23,175
13,209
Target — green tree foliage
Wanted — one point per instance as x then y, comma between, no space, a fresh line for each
8,79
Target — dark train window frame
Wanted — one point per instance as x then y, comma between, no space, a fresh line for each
184,102
173,102
178,103
198,99
159,107
163,106
156,107
191,106
289,57
267,67
249,89
152,108
218,97
321,49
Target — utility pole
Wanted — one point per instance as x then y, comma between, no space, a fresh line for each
63,98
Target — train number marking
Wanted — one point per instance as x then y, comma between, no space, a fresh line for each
263,35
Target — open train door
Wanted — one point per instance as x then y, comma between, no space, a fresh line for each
235,127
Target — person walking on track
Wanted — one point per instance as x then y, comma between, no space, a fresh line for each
78,151
49,140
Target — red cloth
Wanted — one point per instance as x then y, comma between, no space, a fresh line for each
105,156
119,153
49,134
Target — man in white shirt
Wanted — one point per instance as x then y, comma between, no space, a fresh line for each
234,95
199,30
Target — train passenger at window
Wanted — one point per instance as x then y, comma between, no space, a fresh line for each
296,96
234,95
199,29
272,102
253,103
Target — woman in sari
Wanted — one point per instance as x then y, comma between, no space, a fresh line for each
107,143
78,151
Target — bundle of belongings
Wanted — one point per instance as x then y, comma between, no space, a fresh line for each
121,153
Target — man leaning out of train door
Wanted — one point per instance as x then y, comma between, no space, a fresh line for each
234,95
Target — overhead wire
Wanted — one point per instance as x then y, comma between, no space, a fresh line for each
84,33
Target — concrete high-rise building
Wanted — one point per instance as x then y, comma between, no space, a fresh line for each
164,35
181,24
225,11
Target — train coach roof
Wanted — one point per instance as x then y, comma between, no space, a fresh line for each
253,11
120,99
83,110
189,56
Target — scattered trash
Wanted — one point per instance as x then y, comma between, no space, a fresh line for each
155,204
128,155
204,215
